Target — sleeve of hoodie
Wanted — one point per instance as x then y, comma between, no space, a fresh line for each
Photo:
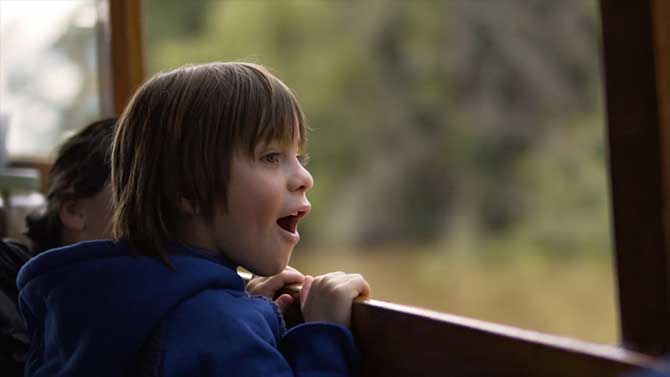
207,338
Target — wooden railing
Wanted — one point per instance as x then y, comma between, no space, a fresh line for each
400,340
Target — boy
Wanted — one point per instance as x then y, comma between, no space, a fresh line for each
207,175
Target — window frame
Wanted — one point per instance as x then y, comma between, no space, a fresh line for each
128,67
636,38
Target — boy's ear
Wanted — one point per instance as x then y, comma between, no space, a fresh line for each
72,215
184,206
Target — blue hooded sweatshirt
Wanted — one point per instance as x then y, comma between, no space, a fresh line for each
90,307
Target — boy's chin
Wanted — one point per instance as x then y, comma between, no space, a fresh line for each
268,270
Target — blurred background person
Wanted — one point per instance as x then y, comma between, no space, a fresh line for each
78,209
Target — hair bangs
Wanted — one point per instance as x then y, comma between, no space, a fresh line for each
285,124
280,120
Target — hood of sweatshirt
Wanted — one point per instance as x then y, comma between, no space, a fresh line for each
90,306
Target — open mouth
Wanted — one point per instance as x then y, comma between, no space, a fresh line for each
290,223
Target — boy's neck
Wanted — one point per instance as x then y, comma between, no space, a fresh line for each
194,231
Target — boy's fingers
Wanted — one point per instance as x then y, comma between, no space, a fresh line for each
285,278
361,285
251,284
357,286
276,282
284,302
306,286
290,277
270,286
364,289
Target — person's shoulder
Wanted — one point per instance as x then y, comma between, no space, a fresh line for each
224,331
13,255
84,249
54,259
220,303
229,311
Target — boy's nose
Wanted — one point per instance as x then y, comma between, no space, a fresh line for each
300,180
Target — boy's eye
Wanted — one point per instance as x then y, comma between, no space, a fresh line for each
272,158
304,159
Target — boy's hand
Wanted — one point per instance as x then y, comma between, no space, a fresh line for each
271,285
329,297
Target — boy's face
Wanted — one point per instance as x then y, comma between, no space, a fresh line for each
266,200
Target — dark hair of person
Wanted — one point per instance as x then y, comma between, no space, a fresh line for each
81,170
176,139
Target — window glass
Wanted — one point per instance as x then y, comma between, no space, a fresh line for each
53,55
457,146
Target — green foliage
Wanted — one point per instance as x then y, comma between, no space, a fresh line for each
431,118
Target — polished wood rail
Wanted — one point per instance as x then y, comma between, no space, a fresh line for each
400,340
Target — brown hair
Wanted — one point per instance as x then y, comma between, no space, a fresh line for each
176,140
80,171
